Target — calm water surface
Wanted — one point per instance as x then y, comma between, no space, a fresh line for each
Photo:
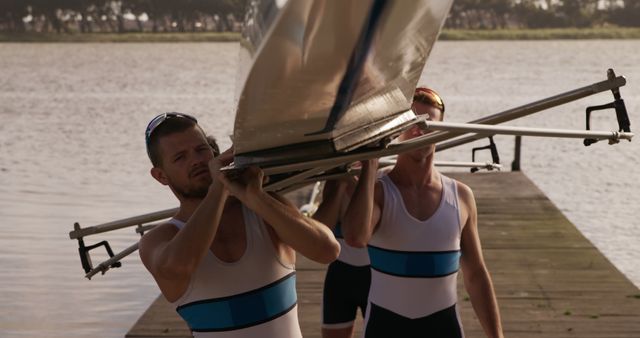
72,149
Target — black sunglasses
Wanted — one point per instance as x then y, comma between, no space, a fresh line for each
158,120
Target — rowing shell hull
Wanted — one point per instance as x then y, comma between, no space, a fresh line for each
325,76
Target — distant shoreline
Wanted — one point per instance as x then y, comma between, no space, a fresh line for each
542,34
124,37
447,34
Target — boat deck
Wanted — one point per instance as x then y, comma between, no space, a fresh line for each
549,279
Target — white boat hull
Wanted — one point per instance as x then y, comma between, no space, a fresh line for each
325,76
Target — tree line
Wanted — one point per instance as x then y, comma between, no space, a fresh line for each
494,14
85,16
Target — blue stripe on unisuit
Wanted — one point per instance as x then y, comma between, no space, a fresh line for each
242,310
414,264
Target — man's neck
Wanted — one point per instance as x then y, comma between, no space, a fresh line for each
189,206
413,172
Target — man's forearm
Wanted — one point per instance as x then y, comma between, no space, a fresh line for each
304,234
191,243
357,227
485,304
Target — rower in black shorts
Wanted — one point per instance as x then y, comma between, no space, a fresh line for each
346,284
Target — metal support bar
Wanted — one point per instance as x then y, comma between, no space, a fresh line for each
534,107
79,232
436,137
141,229
106,265
391,160
421,141
515,165
85,256
619,107
483,129
495,157
355,172
309,208
294,179
480,165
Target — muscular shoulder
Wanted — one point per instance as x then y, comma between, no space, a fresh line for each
465,196
160,234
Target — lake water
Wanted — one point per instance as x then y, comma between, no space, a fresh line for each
72,150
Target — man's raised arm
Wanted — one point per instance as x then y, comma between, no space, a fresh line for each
363,213
171,255
304,234
333,193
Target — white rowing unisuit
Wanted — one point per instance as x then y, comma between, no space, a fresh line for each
252,297
348,254
414,263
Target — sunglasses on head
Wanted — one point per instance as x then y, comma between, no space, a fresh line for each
431,96
158,120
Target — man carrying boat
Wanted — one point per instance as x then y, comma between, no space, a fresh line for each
225,263
346,284
420,228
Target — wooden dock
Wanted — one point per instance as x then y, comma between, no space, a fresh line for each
549,279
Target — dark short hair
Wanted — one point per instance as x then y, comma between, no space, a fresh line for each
168,127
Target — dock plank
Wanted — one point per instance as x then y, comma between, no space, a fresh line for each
549,279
